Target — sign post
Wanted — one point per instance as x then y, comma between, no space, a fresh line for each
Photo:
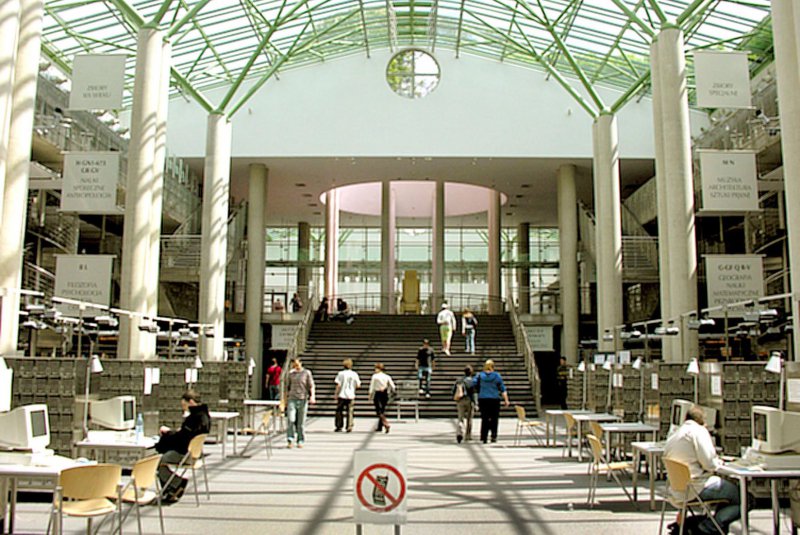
380,488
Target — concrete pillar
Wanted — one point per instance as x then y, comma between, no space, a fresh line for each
493,267
524,271
568,262
331,247
608,232
156,207
667,344
437,250
133,343
388,236
303,256
214,239
9,33
15,196
677,170
256,253
786,34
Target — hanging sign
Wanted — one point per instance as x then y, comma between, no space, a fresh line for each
729,181
97,82
83,278
722,79
733,278
540,337
90,182
380,495
282,335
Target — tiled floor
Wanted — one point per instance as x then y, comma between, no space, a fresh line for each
452,488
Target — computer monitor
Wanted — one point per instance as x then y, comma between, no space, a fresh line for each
774,430
680,407
25,428
117,413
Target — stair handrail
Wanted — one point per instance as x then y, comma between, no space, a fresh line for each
524,347
298,344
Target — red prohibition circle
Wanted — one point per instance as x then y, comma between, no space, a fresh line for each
394,500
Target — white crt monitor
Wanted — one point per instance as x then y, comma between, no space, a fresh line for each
680,407
774,430
25,428
117,413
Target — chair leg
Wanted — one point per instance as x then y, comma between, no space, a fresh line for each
158,502
194,484
663,513
619,482
205,478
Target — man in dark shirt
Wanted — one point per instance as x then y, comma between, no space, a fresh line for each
562,376
424,365
173,445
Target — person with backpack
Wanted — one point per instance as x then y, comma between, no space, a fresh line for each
490,387
464,396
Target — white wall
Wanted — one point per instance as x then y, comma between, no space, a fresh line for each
344,107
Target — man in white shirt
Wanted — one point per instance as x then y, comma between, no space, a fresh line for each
447,324
693,445
347,381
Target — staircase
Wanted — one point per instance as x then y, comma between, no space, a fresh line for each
394,340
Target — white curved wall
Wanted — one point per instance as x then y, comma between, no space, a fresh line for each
344,107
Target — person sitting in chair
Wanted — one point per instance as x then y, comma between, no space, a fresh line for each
173,445
692,444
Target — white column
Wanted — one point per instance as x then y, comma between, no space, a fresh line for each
608,232
303,255
331,247
437,250
667,344
677,171
568,261
9,33
214,239
786,28
133,343
524,272
493,271
15,197
156,207
256,251
388,235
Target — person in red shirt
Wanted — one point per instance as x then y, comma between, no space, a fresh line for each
274,380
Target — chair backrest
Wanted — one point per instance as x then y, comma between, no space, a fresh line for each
597,448
265,419
571,423
90,481
678,474
196,446
597,430
144,471
520,412
407,390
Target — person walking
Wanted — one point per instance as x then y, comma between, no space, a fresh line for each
562,377
301,391
490,387
274,380
424,365
469,328
464,396
447,324
296,303
347,381
380,386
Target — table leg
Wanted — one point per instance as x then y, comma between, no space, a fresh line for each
635,475
547,430
651,468
3,503
743,505
580,442
776,514
235,432
608,450
12,506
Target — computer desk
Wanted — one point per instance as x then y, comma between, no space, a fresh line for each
103,442
746,473
10,474
222,418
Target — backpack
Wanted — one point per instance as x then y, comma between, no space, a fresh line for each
460,391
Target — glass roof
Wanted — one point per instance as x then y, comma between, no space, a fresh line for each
221,43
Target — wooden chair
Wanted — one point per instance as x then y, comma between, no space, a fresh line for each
84,492
598,432
599,467
534,427
570,432
680,494
409,301
192,460
139,490
262,430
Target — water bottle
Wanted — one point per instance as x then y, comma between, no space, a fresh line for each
139,427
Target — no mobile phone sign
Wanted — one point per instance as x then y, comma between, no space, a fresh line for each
380,487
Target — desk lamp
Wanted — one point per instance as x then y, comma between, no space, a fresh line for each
693,369
775,365
93,366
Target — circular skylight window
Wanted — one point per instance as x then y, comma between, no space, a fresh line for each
412,73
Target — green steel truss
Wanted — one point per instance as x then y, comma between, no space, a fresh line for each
239,45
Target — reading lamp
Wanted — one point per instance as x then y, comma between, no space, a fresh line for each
608,366
92,366
582,369
693,369
637,365
775,365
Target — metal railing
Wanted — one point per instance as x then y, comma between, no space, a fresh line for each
298,344
524,347
38,279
